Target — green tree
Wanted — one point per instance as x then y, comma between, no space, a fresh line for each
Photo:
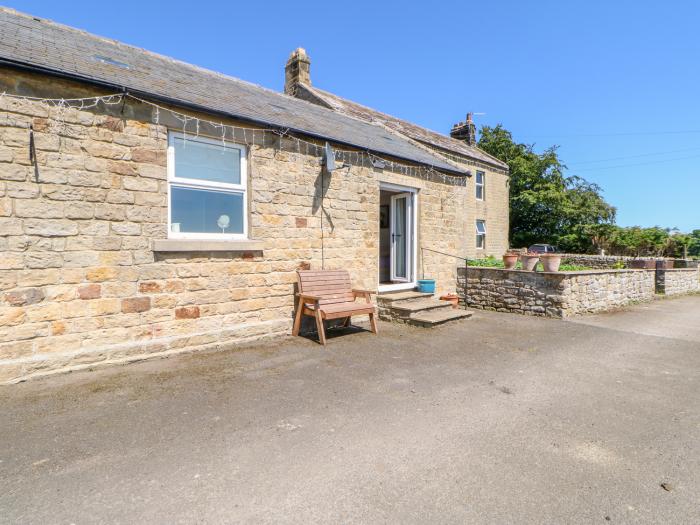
694,247
546,205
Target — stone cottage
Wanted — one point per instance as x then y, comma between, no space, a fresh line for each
148,206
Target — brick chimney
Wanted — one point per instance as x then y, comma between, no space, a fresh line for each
465,131
297,71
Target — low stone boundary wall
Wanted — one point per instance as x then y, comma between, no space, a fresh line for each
558,295
678,281
611,262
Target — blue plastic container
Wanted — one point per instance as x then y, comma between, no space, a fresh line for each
426,285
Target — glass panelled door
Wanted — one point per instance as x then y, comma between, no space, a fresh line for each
401,237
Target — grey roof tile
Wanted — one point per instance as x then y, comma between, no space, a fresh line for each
414,131
57,48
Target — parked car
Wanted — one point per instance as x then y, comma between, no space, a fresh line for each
543,248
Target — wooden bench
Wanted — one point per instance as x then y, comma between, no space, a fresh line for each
327,294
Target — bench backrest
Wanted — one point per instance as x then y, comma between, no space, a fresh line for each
332,285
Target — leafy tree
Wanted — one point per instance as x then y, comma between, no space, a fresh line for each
546,205
694,247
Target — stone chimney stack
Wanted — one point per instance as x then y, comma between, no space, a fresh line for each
465,131
297,71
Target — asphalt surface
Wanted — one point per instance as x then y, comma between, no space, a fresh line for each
497,419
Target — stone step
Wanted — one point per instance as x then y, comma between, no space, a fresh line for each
388,299
406,308
430,318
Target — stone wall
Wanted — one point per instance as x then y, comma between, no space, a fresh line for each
678,281
80,282
611,262
558,295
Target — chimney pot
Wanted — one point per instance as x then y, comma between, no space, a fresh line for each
465,131
297,71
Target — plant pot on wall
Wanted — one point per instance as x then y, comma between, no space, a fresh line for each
510,260
530,261
551,262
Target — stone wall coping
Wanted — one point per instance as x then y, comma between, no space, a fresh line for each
189,245
572,273
681,270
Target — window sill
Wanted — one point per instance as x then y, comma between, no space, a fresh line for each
190,245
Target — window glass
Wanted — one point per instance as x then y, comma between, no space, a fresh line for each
204,161
204,211
480,179
480,234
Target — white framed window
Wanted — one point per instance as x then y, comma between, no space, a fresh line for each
480,234
480,185
207,194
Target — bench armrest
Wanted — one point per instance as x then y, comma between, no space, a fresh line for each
363,293
310,297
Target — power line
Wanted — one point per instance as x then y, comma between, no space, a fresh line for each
633,156
638,164
619,134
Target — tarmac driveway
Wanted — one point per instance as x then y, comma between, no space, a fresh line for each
497,419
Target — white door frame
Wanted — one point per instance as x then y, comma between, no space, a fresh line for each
413,256
407,240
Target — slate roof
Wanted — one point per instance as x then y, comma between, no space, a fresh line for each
59,49
421,134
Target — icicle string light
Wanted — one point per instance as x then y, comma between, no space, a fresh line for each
57,108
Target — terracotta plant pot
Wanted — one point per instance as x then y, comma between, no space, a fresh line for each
510,260
530,262
551,262
451,298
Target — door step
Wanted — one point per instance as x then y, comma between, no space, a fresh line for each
437,317
418,309
396,297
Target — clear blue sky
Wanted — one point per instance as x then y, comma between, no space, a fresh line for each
613,83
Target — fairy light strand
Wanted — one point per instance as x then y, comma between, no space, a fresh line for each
57,109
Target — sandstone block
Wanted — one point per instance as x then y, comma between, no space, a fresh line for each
120,197
12,316
150,287
110,212
148,156
101,274
140,184
24,297
14,172
63,193
10,226
122,168
126,228
80,210
136,304
6,154
83,178
38,208
153,172
89,291
16,349
50,228
106,150
187,312
43,260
